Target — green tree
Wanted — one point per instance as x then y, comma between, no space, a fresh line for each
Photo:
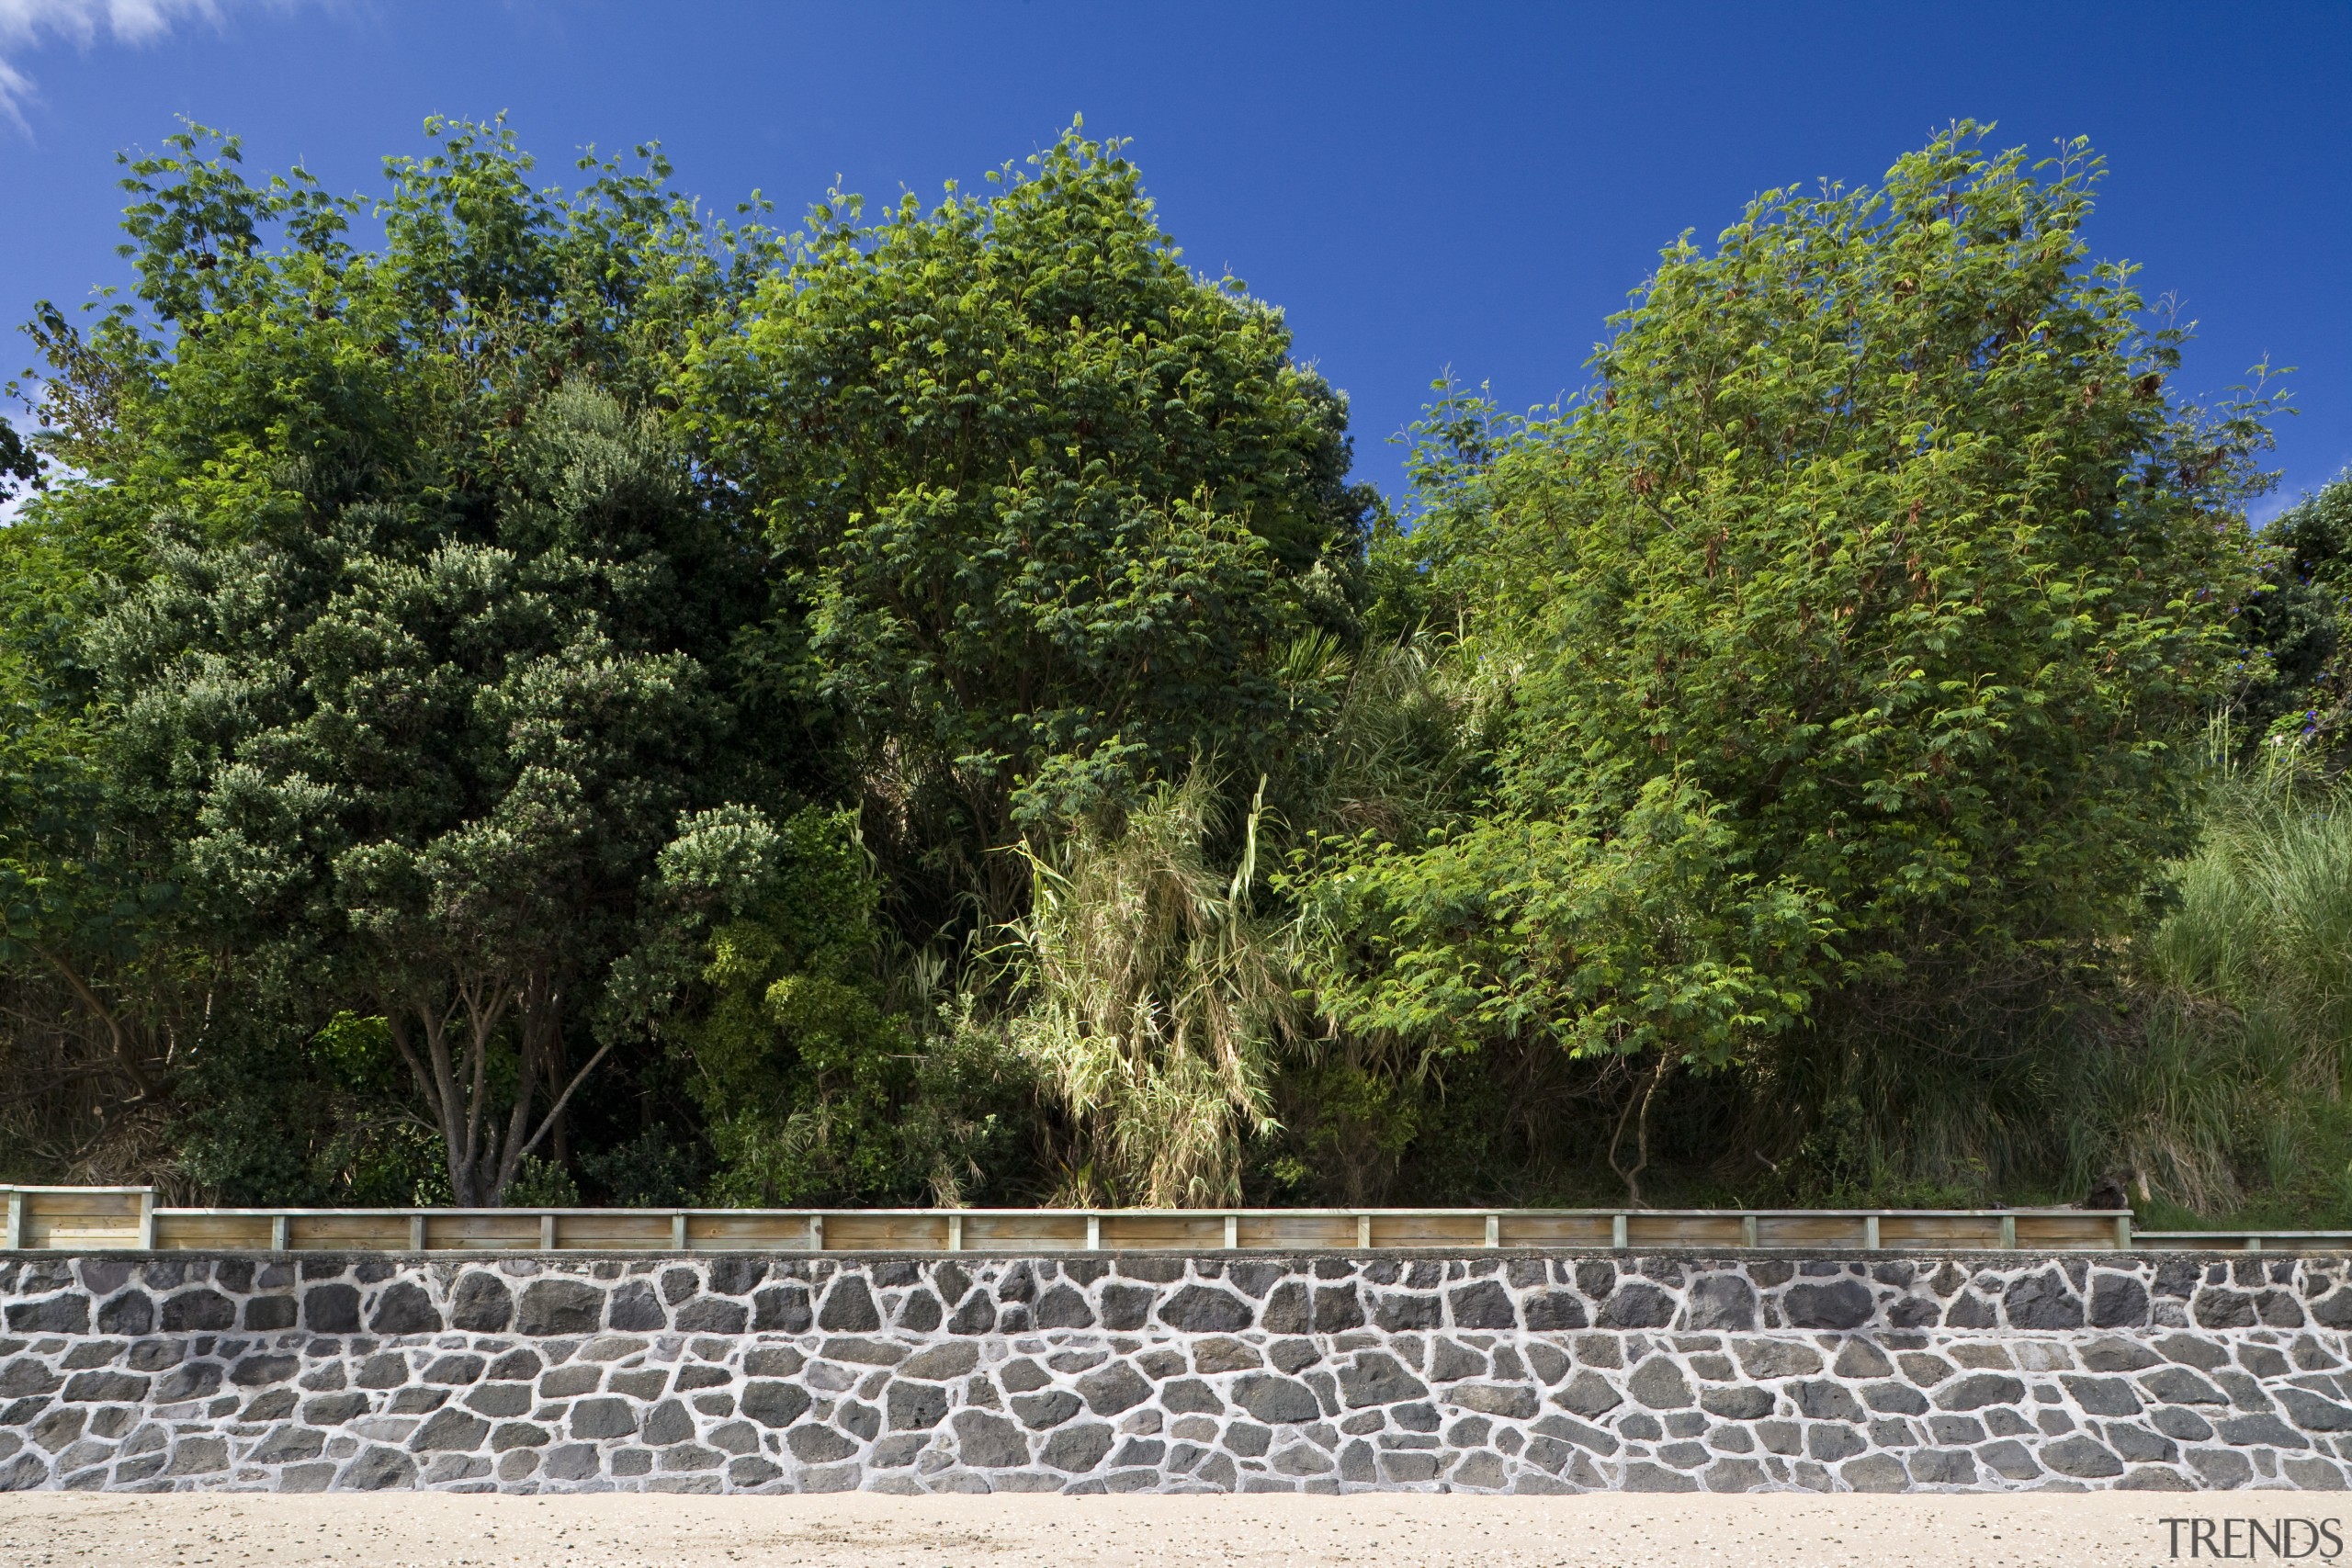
20,464
764,976
1046,506
2296,688
1852,626
424,657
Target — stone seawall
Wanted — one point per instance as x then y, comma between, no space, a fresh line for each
1488,1372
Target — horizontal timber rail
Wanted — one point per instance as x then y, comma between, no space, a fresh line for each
88,1218
2246,1241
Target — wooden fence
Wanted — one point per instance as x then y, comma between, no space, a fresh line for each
2243,1241
98,1219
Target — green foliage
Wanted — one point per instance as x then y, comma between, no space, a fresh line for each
1852,623
2296,687
267,1117
1674,950
1045,504
649,1171
20,464
573,702
417,679
765,979
542,1184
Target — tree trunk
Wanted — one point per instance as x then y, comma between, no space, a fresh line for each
1638,1108
128,1053
483,1157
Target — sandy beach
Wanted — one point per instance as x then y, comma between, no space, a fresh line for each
441,1530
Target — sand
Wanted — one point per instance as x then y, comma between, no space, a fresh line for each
1785,1530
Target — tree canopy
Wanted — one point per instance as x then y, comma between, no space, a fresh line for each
523,690
1045,506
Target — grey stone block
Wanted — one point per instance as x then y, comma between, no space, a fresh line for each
403,1307
1979,1390
988,1442
602,1418
1590,1395
1659,1384
556,1306
1829,1441
1842,1304
2244,1431
2081,1457
1876,1473
1201,1309
1643,1476
377,1470
1111,1389
1766,1359
1943,1467
1637,1306
1275,1399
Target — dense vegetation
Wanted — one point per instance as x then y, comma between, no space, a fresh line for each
572,699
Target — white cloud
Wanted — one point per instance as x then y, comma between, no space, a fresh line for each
27,23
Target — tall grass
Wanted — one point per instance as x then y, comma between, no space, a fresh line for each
2234,1094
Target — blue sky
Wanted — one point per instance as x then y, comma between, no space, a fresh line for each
1419,188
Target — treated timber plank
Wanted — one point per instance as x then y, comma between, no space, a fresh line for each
743,1230
1046,1230
1783,1230
384,1232
886,1232
469,1231
1304,1228
617,1230
1424,1230
1681,1230
94,1218
1939,1230
77,1233
1123,1233
2072,1231
195,1230
2205,1241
